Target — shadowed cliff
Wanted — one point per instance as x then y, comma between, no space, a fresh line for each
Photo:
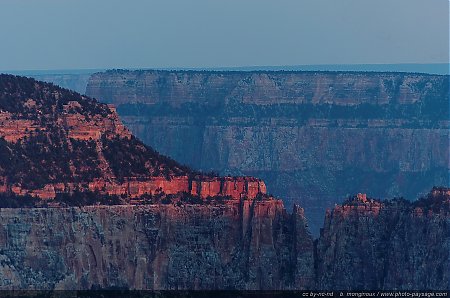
234,246
314,137
368,244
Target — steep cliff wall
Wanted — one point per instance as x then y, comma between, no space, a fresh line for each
367,244
178,87
247,245
313,137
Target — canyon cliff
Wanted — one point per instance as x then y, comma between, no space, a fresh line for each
367,244
86,205
234,246
313,137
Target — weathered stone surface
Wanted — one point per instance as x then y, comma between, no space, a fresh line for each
77,126
244,245
259,87
13,130
202,186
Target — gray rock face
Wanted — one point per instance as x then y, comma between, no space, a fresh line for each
365,244
235,246
393,245
313,137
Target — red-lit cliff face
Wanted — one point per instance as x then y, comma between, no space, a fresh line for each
202,186
56,141
367,244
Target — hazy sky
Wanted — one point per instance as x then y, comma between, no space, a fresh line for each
68,34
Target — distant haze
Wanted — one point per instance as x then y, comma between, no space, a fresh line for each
100,34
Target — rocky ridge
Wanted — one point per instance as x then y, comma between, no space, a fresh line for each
54,141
